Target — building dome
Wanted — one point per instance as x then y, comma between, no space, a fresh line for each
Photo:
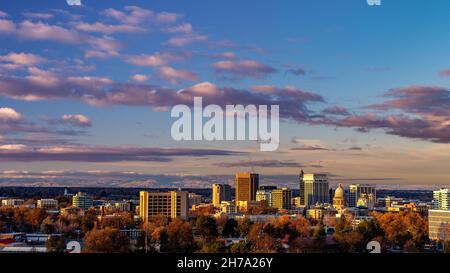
339,192
339,198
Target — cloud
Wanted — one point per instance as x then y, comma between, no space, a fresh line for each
264,88
7,26
139,78
76,120
147,60
444,73
38,15
261,164
99,46
185,28
133,15
21,59
418,112
244,68
9,115
22,153
308,145
186,39
108,29
173,75
99,91
336,110
297,71
225,55
3,14
13,122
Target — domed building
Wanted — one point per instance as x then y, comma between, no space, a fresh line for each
339,198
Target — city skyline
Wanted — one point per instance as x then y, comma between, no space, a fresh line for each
86,91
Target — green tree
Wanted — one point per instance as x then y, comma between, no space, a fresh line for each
369,230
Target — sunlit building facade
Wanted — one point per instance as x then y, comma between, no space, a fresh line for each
82,200
314,189
220,193
246,186
441,199
170,204
282,198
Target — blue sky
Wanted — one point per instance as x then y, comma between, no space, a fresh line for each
359,86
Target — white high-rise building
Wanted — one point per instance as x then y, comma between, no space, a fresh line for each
314,189
441,199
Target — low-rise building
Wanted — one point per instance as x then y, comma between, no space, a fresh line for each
49,204
12,202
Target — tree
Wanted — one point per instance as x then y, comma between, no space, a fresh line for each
230,228
207,227
244,226
260,241
342,226
48,225
213,247
107,240
301,226
34,218
180,238
241,247
88,220
55,244
369,230
319,232
401,227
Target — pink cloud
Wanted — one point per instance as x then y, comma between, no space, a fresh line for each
108,29
186,40
173,75
244,68
22,58
183,28
76,120
147,60
9,114
140,78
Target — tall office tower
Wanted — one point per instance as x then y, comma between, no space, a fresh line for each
170,204
82,200
220,192
282,198
356,190
264,193
301,191
246,186
314,188
441,199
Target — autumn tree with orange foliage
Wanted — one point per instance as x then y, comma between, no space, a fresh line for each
107,240
400,228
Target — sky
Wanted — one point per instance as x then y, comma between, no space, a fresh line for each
86,90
